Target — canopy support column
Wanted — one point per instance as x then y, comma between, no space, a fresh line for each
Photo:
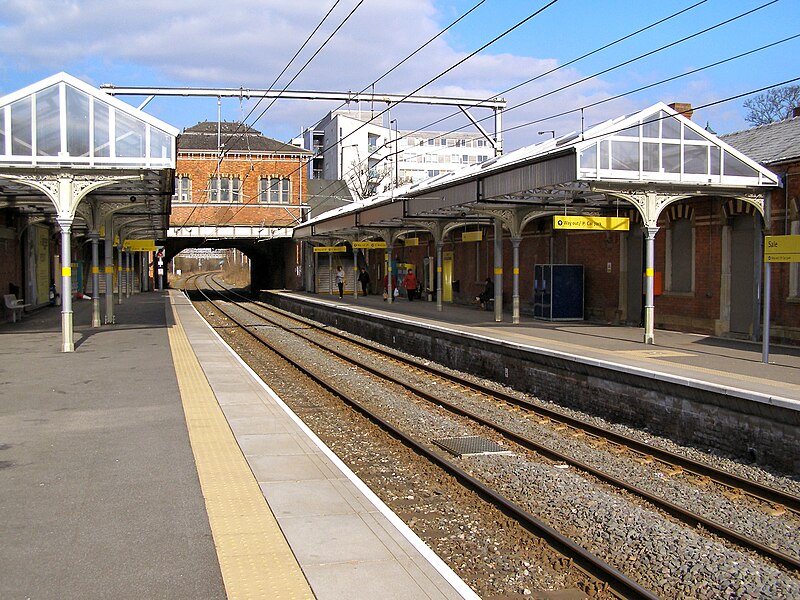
94,238
120,270
439,253
109,270
498,270
515,242
649,275
67,334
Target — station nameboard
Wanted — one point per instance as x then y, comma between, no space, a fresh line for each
330,248
596,223
140,246
472,236
368,245
782,248
411,242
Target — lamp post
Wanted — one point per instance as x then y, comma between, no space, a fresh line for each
396,154
550,131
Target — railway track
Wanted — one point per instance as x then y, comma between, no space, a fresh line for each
597,437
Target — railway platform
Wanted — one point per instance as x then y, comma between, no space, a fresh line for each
153,463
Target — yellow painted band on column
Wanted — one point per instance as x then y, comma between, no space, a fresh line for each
498,270
66,271
254,557
109,269
516,271
650,272
95,270
438,269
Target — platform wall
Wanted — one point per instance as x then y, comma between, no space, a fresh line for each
705,418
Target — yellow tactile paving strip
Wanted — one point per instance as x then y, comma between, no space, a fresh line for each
254,557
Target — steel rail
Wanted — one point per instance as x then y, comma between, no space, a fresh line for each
759,491
617,582
684,515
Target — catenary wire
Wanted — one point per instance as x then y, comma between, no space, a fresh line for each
441,74
573,61
305,43
584,79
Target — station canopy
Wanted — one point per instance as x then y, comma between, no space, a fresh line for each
118,156
646,160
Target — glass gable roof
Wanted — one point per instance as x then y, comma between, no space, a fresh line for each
658,144
64,121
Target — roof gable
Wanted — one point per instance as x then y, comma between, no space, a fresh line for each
62,120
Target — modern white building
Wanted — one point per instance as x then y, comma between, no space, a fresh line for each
358,148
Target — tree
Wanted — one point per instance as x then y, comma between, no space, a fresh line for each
365,180
773,105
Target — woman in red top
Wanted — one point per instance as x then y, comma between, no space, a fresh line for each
410,283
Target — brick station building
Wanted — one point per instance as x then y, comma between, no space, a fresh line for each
254,181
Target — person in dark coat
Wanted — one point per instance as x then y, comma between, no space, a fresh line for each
363,279
487,294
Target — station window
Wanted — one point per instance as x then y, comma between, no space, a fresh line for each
183,189
274,190
224,189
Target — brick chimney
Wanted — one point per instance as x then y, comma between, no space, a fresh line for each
683,108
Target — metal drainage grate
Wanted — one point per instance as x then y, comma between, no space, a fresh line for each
470,446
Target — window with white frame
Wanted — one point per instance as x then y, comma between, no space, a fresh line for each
226,188
275,190
183,189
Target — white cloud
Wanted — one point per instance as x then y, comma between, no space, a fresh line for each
247,43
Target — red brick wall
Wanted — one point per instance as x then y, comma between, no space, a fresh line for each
249,170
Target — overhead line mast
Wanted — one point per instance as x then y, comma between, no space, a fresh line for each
497,105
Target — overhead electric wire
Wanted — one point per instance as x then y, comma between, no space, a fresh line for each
418,50
308,39
584,79
286,68
650,85
458,63
573,61
313,56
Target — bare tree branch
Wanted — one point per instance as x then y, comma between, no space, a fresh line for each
773,105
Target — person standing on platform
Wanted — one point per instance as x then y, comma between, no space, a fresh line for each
387,288
340,280
410,283
363,279
486,295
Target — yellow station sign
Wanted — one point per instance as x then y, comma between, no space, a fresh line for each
596,223
140,246
782,248
330,248
472,236
368,245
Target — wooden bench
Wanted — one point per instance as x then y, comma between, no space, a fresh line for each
15,306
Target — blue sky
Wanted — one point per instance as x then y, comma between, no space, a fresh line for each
206,43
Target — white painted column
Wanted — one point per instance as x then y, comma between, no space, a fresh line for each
94,238
439,253
515,242
67,334
498,270
649,276
108,246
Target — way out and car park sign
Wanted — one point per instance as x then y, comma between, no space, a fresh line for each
782,248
